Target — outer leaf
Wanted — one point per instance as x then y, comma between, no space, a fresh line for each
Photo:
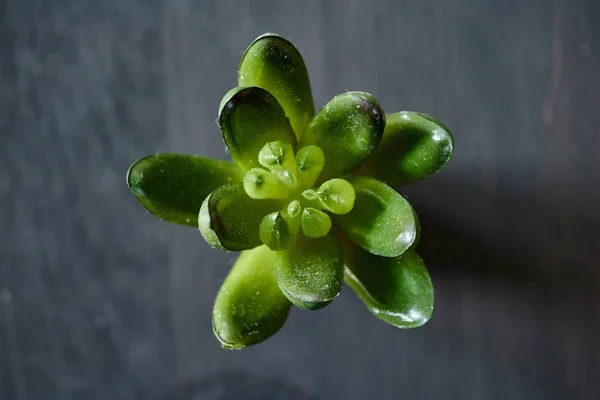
230,220
348,129
311,273
173,186
414,146
397,290
249,117
250,306
382,221
273,63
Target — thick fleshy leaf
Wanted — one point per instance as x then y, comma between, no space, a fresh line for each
173,186
311,273
348,129
414,146
274,64
249,117
397,290
250,306
382,221
229,219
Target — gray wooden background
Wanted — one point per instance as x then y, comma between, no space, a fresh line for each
99,300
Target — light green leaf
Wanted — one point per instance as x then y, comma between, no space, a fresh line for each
310,274
398,290
249,117
274,64
382,221
414,146
250,306
173,186
348,129
229,219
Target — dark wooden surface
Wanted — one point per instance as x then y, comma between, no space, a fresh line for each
99,300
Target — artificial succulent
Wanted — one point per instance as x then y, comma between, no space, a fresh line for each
308,199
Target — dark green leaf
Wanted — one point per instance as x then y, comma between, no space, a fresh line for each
273,63
414,146
348,129
382,221
250,306
229,219
173,186
249,117
311,273
397,290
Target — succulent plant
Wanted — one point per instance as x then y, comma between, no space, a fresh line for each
308,198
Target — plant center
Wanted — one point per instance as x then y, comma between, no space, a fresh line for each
292,178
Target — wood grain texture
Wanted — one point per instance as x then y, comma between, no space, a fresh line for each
99,300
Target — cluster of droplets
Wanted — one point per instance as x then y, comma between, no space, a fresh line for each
291,179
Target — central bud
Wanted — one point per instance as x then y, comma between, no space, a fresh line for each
292,177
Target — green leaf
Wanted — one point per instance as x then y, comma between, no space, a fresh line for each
275,232
382,221
414,146
310,161
250,306
348,129
249,117
274,64
310,274
397,290
229,219
173,186
315,223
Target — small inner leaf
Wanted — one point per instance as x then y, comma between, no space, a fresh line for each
275,232
310,161
337,196
293,208
261,184
277,156
315,223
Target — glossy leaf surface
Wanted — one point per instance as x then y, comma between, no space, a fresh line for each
348,129
229,219
173,186
249,117
311,273
274,64
382,221
414,146
250,306
398,290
